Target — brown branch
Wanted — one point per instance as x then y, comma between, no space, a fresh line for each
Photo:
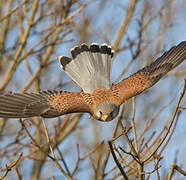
170,136
133,125
33,140
52,151
13,10
177,168
117,162
170,124
92,151
12,67
134,157
11,165
125,23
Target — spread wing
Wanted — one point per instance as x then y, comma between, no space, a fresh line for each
45,103
149,75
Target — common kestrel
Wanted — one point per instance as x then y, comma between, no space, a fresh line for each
90,68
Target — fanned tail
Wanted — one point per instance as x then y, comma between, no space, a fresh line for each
90,67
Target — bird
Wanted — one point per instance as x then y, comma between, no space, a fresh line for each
90,67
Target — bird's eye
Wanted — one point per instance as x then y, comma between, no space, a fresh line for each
100,112
114,113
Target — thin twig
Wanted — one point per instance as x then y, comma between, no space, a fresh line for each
117,162
11,165
133,125
52,151
175,167
125,23
170,124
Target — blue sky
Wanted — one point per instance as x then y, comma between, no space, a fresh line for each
105,22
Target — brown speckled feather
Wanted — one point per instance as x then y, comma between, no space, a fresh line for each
45,103
149,75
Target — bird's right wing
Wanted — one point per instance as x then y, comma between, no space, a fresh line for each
45,103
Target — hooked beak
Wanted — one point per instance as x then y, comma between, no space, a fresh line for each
104,117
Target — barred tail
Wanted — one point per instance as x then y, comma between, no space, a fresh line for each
90,67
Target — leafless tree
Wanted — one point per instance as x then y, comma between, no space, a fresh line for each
146,140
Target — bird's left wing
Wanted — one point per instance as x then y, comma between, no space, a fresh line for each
45,103
149,75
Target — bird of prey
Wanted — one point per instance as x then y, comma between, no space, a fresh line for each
90,67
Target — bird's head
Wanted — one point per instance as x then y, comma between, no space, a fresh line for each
106,111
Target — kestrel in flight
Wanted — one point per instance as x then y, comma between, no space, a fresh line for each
90,67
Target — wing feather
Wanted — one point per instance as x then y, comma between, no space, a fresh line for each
149,75
45,103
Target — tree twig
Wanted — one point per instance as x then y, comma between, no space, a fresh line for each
117,162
